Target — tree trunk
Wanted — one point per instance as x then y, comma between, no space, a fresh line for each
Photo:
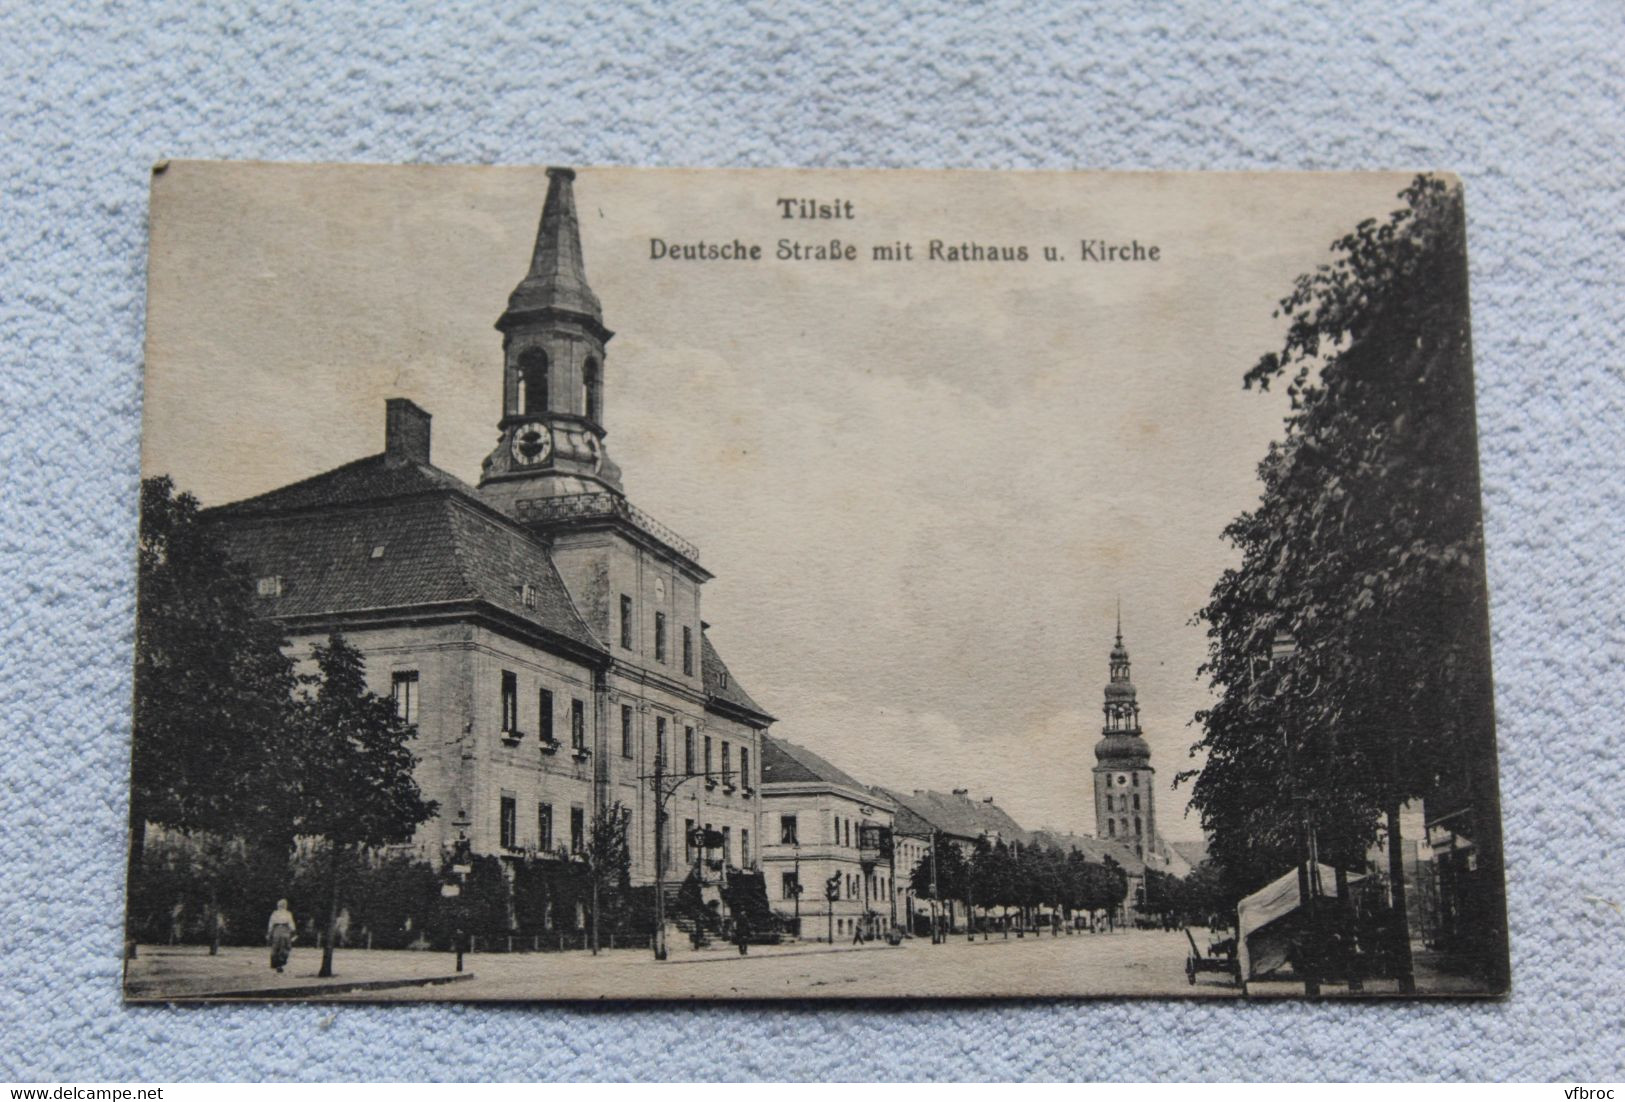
1402,922
332,912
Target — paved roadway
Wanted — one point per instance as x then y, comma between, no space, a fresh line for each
1129,962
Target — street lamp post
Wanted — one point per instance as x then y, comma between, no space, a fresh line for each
1282,648
665,786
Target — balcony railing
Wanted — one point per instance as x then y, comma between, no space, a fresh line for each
588,506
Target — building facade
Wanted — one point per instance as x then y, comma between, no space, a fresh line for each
544,633
827,857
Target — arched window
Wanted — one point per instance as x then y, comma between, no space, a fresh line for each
592,391
1111,828
533,381
1136,799
1136,825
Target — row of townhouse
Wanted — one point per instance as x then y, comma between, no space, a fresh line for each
838,854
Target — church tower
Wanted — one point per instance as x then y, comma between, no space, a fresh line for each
551,441
1125,804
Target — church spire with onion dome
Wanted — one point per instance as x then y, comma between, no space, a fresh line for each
1124,778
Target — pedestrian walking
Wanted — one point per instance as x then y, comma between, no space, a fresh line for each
279,932
742,933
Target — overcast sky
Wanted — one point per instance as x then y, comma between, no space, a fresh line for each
922,486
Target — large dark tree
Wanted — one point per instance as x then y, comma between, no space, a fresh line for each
1362,566
212,686
350,776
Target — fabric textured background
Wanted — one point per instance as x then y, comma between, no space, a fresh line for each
1522,99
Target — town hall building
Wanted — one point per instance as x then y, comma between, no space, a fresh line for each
543,633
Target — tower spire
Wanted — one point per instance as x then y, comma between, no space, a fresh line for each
553,338
1120,619
557,280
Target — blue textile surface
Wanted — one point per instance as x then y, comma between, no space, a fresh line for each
1522,99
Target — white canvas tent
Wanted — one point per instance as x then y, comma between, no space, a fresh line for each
1261,938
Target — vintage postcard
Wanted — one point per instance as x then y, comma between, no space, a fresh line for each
579,583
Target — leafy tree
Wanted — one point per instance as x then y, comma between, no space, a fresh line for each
212,687
1366,551
609,859
351,770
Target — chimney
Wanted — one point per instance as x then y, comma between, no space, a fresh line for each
406,431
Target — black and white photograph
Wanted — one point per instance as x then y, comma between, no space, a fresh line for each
573,583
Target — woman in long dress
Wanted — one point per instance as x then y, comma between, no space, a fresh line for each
280,934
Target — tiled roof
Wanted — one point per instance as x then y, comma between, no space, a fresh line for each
721,685
904,819
364,481
379,534
961,816
786,762
1193,853
1095,849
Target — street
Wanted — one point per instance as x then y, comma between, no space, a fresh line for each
1129,962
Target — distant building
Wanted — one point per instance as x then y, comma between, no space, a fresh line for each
542,632
824,831
953,819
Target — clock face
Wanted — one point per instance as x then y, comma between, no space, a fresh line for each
1121,780
531,443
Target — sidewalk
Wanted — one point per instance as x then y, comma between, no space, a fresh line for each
160,973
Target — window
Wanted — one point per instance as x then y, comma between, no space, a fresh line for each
727,764
837,830
1108,780
660,740
533,381
688,749
403,687
578,724
592,391
744,767
578,830
626,730
787,830
848,825
1136,782
688,651
269,586
544,827
1136,801
509,822
1111,828
544,714
510,701
527,593
660,637
1136,826
708,780
789,885
688,840
744,847
727,845
626,621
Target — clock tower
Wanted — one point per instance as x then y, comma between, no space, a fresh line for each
551,441
1125,804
